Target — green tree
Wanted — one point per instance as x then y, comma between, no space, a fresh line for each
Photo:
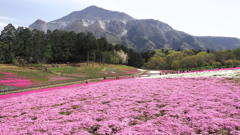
157,62
135,59
175,64
4,53
47,53
24,43
174,57
39,44
8,37
115,60
236,54
223,55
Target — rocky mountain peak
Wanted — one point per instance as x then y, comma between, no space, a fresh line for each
141,35
39,25
95,13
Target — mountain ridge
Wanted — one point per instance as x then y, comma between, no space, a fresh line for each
139,34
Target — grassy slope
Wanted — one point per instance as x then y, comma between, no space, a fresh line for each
66,73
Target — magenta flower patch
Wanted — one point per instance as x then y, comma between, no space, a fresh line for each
10,79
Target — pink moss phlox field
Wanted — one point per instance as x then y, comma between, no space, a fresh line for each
10,79
130,106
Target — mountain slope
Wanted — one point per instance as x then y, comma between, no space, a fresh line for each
141,35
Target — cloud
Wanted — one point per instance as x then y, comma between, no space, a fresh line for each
4,21
2,25
4,18
101,3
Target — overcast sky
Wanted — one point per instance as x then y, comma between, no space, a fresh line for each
196,17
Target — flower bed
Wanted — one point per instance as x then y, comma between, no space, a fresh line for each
10,79
164,106
227,72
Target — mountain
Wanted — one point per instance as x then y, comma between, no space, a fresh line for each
141,35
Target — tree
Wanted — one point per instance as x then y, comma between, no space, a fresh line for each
223,55
236,54
47,53
174,57
147,55
216,64
39,45
8,37
4,53
189,52
62,45
115,60
106,56
175,64
157,62
228,63
135,59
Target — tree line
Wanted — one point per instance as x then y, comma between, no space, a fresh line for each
22,45
187,59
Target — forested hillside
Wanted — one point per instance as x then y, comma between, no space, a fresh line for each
190,59
22,45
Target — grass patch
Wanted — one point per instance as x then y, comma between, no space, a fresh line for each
231,80
2,86
57,105
41,130
161,113
36,66
132,123
140,102
106,102
23,113
33,118
144,117
124,67
161,105
90,69
63,70
65,113
75,106
93,129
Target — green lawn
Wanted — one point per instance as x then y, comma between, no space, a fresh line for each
124,67
63,70
91,72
